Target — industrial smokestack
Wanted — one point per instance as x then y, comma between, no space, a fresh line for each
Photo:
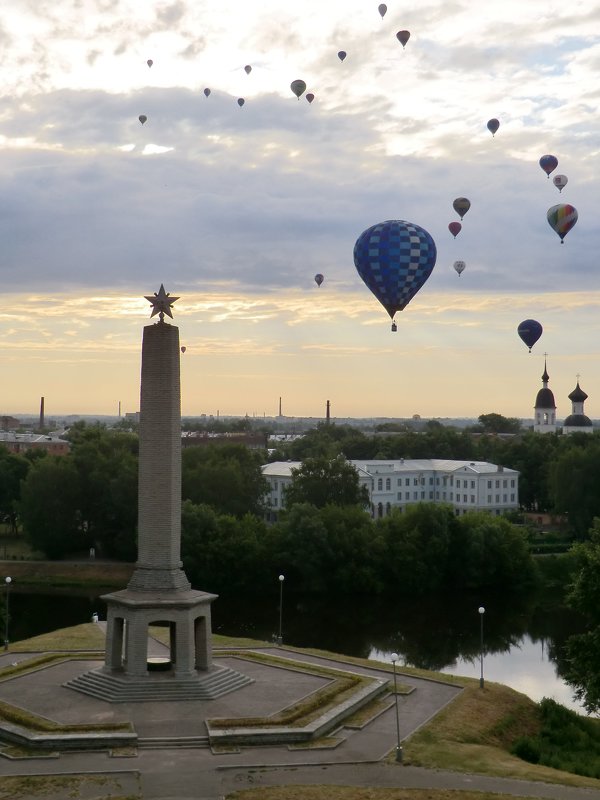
280,414
328,412
41,413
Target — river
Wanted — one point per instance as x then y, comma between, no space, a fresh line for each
521,637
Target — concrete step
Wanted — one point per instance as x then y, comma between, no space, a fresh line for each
115,688
160,742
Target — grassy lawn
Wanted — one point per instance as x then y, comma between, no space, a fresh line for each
59,787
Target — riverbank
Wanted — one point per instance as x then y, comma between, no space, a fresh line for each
84,573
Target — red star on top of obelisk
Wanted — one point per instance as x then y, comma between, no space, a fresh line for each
161,303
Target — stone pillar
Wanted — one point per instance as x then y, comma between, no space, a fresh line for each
158,567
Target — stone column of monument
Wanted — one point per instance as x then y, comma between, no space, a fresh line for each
159,591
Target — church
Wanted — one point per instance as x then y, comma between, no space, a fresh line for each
545,410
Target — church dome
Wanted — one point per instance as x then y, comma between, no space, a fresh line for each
578,395
545,399
577,421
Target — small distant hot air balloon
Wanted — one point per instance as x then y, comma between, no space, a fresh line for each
394,259
247,69
382,10
493,126
183,349
142,118
455,228
342,55
149,62
207,92
461,205
560,181
530,331
561,219
298,87
459,266
319,279
548,163
310,97
403,37
241,101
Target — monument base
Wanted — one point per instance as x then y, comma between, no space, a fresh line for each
186,616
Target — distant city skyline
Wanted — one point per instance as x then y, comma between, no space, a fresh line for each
236,209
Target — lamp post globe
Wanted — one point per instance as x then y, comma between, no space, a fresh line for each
394,657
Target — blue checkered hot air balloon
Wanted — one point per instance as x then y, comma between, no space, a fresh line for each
394,259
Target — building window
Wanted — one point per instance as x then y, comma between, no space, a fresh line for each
489,499
422,495
431,495
497,484
457,483
472,484
388,484
407,481
415,481
504,498
464,498
399,495
472,498
399,481
415,495
497,498
489,484
512,484
512,498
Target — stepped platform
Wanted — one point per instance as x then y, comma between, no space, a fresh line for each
114,688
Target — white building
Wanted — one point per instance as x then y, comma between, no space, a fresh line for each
465,485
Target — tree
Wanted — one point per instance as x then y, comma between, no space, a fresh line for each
226,477
326,550
13,470
326,481
496,423
575,483
49,507
582,662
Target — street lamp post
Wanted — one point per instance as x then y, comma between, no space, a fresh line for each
280,634
481,610
395,658
7,582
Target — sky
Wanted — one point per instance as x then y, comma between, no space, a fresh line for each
235,209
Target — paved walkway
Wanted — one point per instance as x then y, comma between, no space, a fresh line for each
172,773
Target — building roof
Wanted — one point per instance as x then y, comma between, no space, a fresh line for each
283,469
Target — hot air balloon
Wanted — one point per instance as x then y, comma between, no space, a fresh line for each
403,37
241,101
493,126
394,259
461,205
247,69
310,97
560,181
342,55
455,228
561,218
207,92
142,118
298,87
530,331
319,279
548,163
382,9
183,349
149,62
459,266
